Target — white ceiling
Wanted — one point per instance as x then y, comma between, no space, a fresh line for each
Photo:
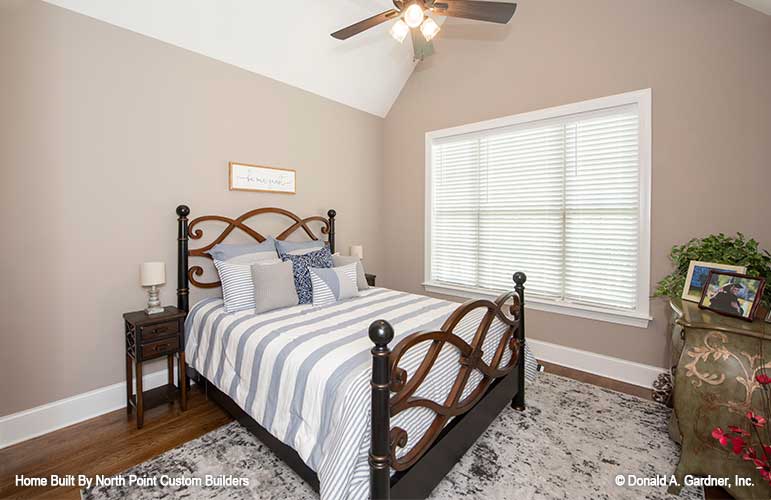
761,5
285,40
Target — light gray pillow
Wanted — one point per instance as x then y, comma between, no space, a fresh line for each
298,248
343,260
247,253
273,286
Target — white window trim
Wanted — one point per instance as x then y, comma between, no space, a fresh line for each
638,318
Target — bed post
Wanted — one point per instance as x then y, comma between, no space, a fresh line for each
518,403
332,215
183,287
381,333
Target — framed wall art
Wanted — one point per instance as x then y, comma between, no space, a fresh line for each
245,177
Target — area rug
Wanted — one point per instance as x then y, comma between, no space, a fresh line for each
572,442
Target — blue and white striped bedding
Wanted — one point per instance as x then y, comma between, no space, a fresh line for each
303,373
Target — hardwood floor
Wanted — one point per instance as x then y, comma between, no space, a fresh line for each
111,443
107,444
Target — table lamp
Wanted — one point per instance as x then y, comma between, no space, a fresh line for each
153,274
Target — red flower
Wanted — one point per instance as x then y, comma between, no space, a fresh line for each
738,445
718,434
749,454
763,379
762,466
757,420
738,430
767,449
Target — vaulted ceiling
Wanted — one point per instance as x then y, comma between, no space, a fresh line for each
283,40
286,41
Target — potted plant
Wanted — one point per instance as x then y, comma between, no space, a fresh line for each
716,248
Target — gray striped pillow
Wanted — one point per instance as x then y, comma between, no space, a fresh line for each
333,284
237,286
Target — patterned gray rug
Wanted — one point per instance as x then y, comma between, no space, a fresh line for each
571,443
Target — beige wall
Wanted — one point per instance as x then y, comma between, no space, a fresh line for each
103,133
708,63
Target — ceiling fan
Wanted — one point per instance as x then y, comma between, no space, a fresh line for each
413,14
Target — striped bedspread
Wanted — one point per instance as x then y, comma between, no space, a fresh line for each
303,373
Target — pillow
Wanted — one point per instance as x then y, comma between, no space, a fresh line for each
331,285
273,286
295,248
344,260
237,286
248,253
300,264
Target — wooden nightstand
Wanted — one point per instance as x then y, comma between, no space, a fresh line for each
150,336
370,279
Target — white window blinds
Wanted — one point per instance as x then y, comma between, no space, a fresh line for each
557,198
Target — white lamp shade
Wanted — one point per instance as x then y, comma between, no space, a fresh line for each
357,251
413,15
152,273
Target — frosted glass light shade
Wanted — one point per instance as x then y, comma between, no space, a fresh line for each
413,15
429,28
399,30
357,251
152,273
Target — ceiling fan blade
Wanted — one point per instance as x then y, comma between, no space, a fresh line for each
420,46
366,24
492,12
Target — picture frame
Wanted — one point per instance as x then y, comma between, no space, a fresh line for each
259,178
732,294
697,275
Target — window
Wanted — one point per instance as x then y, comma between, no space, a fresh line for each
561,194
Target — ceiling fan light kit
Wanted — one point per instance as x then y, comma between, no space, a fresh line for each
413,15
429,28
410,15
400,30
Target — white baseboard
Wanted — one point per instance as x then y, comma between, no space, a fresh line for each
49,417
598,364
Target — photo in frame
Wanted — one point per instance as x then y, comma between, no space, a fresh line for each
697,276
732,294
245,177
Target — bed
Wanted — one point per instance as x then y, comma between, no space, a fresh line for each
354,419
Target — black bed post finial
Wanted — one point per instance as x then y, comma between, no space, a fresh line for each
518,403
380,333
183,287
332,215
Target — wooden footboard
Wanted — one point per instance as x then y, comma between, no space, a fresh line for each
393,391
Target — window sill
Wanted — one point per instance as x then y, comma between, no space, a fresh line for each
587,312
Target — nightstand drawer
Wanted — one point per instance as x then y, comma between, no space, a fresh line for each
150,333
160,347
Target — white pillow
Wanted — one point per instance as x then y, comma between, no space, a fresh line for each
333,284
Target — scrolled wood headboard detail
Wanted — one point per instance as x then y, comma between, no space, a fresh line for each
186,275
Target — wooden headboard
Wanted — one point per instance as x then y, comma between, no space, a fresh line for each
186,274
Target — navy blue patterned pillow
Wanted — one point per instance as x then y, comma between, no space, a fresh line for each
302,277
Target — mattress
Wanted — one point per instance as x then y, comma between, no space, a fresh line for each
303,373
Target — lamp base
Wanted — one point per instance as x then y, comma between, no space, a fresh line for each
153,302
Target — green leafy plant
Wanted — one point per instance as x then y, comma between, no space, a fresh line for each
721,249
